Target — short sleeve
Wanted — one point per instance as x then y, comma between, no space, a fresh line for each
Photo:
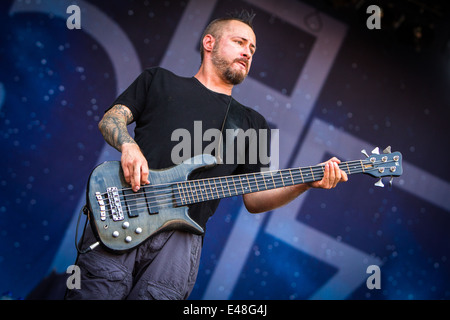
135,96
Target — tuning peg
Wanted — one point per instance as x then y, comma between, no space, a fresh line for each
379,183
376,151
390,181
387,150
364,152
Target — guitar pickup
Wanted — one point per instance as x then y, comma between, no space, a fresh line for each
138,202
131,202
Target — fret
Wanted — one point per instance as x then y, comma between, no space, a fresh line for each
301,174
228,186
248,183
221,186
256,182
204,190
275,179
217,189
284,183
186,195
271,174
264,180
292,179
194,193
312,173
348,168
240,181
282,180
210,188
180,193
199,190
232,178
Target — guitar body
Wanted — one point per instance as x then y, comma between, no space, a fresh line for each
122,219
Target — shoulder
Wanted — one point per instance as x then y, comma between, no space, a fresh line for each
159,72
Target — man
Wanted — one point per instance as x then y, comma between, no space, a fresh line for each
165,266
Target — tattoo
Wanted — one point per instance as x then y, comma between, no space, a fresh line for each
113,126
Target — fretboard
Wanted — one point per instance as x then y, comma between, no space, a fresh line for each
193,191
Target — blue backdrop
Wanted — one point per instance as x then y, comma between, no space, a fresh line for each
328,83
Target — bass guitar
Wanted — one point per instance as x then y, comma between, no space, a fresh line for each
122,219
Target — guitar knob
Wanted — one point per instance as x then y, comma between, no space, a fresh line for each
125,225
115,234
128,239
138,230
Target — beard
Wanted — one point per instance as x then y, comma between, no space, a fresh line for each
229,75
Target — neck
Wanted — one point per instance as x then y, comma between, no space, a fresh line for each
211,80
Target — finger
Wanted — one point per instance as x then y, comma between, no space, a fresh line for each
337,174
332,175
344,176
144,174
336,160
326,176
136,178
126,174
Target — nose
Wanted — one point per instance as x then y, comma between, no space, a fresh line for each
247,53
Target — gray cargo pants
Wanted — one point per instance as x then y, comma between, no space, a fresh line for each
162,268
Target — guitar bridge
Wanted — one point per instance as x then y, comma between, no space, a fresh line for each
115,204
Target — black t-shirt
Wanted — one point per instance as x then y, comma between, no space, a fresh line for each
162,102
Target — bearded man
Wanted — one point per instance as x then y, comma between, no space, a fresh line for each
165,266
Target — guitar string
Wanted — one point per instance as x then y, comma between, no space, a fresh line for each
306,170
269,176
167,198
167,204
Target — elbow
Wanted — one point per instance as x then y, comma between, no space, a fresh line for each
100,124
253,208
255,203
252,211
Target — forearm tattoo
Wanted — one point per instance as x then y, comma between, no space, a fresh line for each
113,126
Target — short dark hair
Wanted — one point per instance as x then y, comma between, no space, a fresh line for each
214,28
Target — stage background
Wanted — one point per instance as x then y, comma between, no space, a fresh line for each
328,83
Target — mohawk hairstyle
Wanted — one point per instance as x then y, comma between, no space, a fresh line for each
215,27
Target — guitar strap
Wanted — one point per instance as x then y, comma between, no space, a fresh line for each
232,120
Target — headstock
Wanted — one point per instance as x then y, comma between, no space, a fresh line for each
387,164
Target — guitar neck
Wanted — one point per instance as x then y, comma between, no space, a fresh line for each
193,191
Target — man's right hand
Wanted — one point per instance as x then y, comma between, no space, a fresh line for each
134,165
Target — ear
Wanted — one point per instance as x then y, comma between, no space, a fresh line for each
208,43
